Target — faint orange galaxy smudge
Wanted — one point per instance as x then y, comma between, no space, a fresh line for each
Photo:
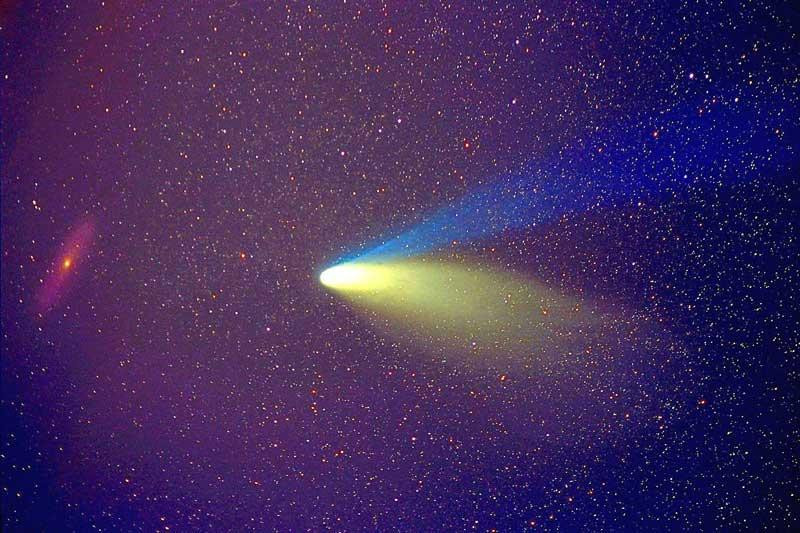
58,277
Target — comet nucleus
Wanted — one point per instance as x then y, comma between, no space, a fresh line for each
356,277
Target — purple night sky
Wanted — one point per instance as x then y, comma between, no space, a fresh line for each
175,175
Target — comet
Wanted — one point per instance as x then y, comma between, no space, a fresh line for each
651,157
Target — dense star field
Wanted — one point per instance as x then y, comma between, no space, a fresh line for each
587,322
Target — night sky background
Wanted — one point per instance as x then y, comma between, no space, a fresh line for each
176,174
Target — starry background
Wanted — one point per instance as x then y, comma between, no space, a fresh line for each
194,374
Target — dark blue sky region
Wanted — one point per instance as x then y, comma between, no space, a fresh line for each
174,176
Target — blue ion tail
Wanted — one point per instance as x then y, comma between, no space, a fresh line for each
735,137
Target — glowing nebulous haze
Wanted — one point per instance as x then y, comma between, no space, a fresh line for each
461,307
